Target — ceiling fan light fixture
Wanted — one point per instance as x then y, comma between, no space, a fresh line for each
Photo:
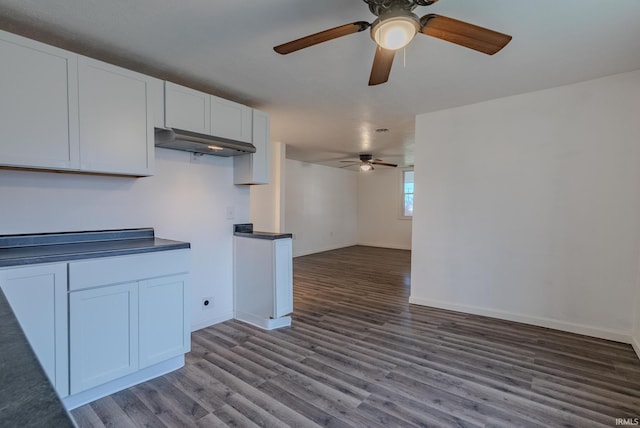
365,166
395,31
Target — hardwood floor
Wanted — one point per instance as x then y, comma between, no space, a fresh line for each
359,355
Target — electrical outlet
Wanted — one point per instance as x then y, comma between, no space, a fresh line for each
207,303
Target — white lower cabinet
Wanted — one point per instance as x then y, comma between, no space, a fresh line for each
38,297
164,327
126,314
263,281
103,334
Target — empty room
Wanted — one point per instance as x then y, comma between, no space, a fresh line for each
357,213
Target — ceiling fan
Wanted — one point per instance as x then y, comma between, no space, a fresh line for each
396,26
367,162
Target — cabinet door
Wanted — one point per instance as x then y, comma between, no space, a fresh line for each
103,334
38,105
254,168
116,123
230,120
38,298
186,109
283,273
164,324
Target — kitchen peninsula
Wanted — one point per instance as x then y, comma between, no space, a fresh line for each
102,310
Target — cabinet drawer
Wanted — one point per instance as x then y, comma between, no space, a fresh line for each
113,270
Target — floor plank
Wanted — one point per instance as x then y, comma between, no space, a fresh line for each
358,355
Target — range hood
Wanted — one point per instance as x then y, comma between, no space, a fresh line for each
179,139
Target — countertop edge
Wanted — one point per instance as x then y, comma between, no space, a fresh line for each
263,235
24,261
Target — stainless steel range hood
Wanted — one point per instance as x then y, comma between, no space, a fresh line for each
179,139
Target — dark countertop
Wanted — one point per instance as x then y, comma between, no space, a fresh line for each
246,230
263,235
27,399
16,250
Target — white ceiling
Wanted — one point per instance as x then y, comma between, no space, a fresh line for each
318,98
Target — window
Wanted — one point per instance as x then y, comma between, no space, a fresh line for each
407,193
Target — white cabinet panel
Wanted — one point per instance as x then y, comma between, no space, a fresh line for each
230,120
187,109
116,124
103,334
38,104
38,298
264,291
112,270
156,98
283,262
164,323
254,168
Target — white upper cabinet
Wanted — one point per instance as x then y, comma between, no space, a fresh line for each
116,122
196,111
63,111
38,105
187,109
230,120
254,168
157,101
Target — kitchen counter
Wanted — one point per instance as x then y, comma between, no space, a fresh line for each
16,250
246,230
27,399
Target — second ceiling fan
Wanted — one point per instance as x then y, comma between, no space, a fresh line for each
396,26
367,162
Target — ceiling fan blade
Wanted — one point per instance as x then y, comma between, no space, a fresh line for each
381,66
347,166
349,161
384,164
464,34
322,36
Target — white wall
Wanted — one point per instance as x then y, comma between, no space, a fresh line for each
528,208
267,200
320,207
182,201
379,210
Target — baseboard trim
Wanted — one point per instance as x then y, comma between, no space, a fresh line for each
264,323
320,250
80,399
391,246
537,321
212,321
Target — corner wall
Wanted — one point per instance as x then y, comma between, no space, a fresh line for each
320,207
182,201
379,210
527,208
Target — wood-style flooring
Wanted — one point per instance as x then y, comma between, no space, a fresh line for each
359,355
